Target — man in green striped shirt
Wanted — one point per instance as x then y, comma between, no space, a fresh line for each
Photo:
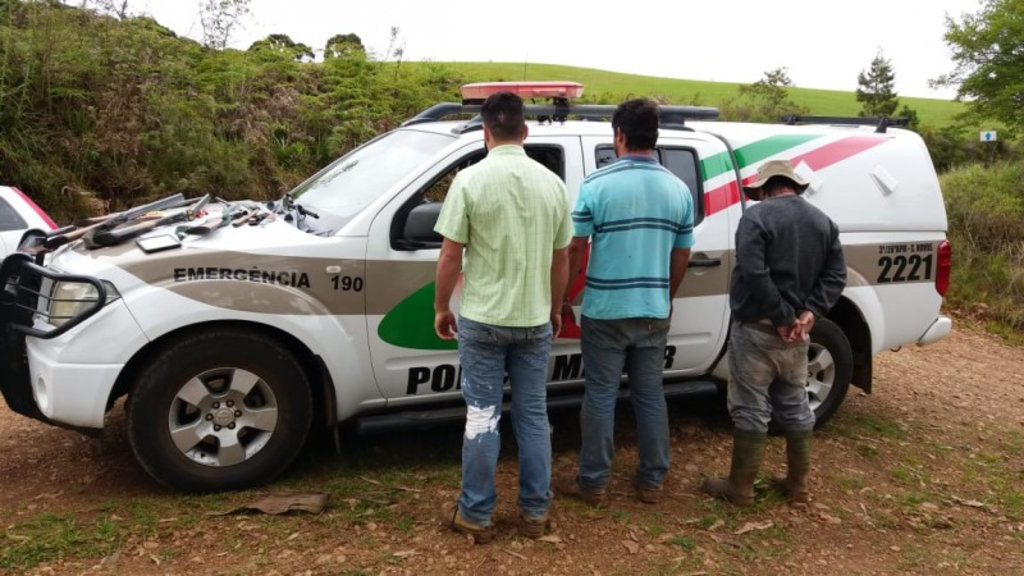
510,215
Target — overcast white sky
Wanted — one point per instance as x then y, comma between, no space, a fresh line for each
823,44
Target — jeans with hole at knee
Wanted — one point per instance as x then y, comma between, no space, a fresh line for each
635,346
487,353
768,376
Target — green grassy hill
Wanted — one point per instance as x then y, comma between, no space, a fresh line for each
614,86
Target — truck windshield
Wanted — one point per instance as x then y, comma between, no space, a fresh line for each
351,182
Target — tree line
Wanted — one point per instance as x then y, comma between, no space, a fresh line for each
101,108
98,112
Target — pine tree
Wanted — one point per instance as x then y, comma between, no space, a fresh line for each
875,89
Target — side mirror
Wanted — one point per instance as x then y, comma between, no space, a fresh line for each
419,226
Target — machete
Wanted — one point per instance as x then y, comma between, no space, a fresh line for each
112,236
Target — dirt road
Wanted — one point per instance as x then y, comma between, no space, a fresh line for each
924,476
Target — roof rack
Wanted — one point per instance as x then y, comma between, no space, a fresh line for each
670,116
880,123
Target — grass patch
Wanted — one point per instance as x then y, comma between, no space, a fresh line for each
621,516
52,537
993,477
406,524
684,542
1012,500
851,483
866,450
707,522
910,473
1010,333
732,516
1013,442
858,425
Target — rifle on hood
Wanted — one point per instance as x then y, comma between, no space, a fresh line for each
57,240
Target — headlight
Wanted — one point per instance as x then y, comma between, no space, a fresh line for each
69,299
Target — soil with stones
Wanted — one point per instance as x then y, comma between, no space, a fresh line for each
923,476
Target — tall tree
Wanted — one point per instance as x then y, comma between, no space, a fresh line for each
988,58
875,89
115,8
219,19
343,46
283,44
396,46
769,98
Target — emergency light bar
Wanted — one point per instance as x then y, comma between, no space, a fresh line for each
478,92
559,110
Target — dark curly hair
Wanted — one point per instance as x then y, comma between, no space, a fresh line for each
638,120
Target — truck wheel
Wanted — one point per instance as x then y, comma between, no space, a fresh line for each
829,369
219,410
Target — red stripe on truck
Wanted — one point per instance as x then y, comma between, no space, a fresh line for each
725,196
837,151
721,198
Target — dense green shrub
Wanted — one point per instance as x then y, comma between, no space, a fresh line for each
956,145
97,113
985,207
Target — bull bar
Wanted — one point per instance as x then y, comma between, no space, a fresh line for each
23,299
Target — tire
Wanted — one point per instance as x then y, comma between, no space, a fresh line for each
829,371
219,410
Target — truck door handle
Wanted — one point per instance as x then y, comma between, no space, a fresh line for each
705,263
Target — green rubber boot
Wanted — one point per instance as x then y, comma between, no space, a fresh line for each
747,453
798,467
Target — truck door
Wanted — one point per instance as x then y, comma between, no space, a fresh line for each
701,307
410,362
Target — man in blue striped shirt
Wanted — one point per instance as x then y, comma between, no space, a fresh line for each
638,219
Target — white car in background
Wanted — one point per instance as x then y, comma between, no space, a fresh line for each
17,214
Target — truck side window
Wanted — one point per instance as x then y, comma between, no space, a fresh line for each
9,218
683,163
552,157
680,161
438,189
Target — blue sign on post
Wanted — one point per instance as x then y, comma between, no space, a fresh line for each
989,136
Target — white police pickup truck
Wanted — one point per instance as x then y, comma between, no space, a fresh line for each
233,332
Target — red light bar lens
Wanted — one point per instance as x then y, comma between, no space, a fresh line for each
481,90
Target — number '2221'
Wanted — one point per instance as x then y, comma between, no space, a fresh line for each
911,268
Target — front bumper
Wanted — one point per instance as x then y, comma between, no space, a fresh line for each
69,394
48,374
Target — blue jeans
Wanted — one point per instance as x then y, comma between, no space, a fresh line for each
486,353
636,346
767,375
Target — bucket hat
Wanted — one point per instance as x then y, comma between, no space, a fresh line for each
776,168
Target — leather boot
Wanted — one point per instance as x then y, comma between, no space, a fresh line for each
798,467
747,453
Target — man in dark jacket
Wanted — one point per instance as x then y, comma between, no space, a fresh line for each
789,271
